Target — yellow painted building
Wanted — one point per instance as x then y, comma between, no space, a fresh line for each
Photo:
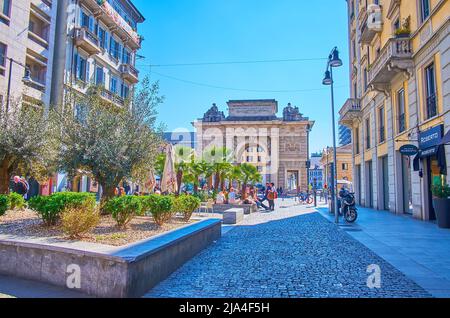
400,94
344,164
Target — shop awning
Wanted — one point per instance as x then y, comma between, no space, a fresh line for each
438,152
428,152
446,139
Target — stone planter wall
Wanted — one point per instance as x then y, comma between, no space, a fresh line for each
126,272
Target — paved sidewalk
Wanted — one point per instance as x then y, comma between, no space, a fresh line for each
288,253
12,287
418,249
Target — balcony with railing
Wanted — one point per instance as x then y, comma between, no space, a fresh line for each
370,23
350,111
129,73
106,95
105,12
394,58
112,97
87,40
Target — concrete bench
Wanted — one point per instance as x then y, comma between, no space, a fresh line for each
233,216
248,208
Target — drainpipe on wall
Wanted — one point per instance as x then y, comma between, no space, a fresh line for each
59,58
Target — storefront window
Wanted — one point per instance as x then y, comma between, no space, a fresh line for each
436,177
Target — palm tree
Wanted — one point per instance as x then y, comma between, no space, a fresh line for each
183,157
197,169
249,174
226,169
220,159
235,175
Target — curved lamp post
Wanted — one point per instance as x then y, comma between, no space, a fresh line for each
333,61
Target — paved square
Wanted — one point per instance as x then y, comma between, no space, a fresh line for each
293,252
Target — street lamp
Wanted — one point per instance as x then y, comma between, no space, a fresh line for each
26,78
333,61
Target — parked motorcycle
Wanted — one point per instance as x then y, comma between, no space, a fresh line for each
348,206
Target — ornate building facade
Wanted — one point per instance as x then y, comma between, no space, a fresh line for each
399,75
278,147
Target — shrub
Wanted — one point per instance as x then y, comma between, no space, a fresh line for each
80,220
146,204
186,204
49,208
17,201
202,195
4,204
441,191
124,209
161,208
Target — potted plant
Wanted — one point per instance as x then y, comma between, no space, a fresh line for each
441,204
402,33
405,30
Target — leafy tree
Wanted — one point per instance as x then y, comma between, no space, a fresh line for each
159,164
111,143
26,144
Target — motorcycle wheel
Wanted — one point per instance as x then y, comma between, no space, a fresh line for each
351,215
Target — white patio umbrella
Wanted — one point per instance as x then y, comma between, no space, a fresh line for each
150,184
169,177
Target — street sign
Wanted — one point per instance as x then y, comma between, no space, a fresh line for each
431,137
409,150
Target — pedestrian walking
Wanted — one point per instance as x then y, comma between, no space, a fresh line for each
266,192
271,196
20,186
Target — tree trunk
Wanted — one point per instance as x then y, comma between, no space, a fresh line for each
4,177
244,189
210,182
222,183
108,192
179,180
195,188
216,182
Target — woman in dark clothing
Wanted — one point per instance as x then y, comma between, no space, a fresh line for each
20,186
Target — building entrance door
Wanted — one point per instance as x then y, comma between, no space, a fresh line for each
358,183
369,187
434,177
385,185
292,180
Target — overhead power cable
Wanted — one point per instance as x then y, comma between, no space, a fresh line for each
241,89
235,62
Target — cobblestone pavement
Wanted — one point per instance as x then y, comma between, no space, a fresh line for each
293,252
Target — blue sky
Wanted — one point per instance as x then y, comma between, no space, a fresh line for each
197,31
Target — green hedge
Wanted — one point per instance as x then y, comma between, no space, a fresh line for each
186,204
4,204
159,207
50,207
17,201
124,209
